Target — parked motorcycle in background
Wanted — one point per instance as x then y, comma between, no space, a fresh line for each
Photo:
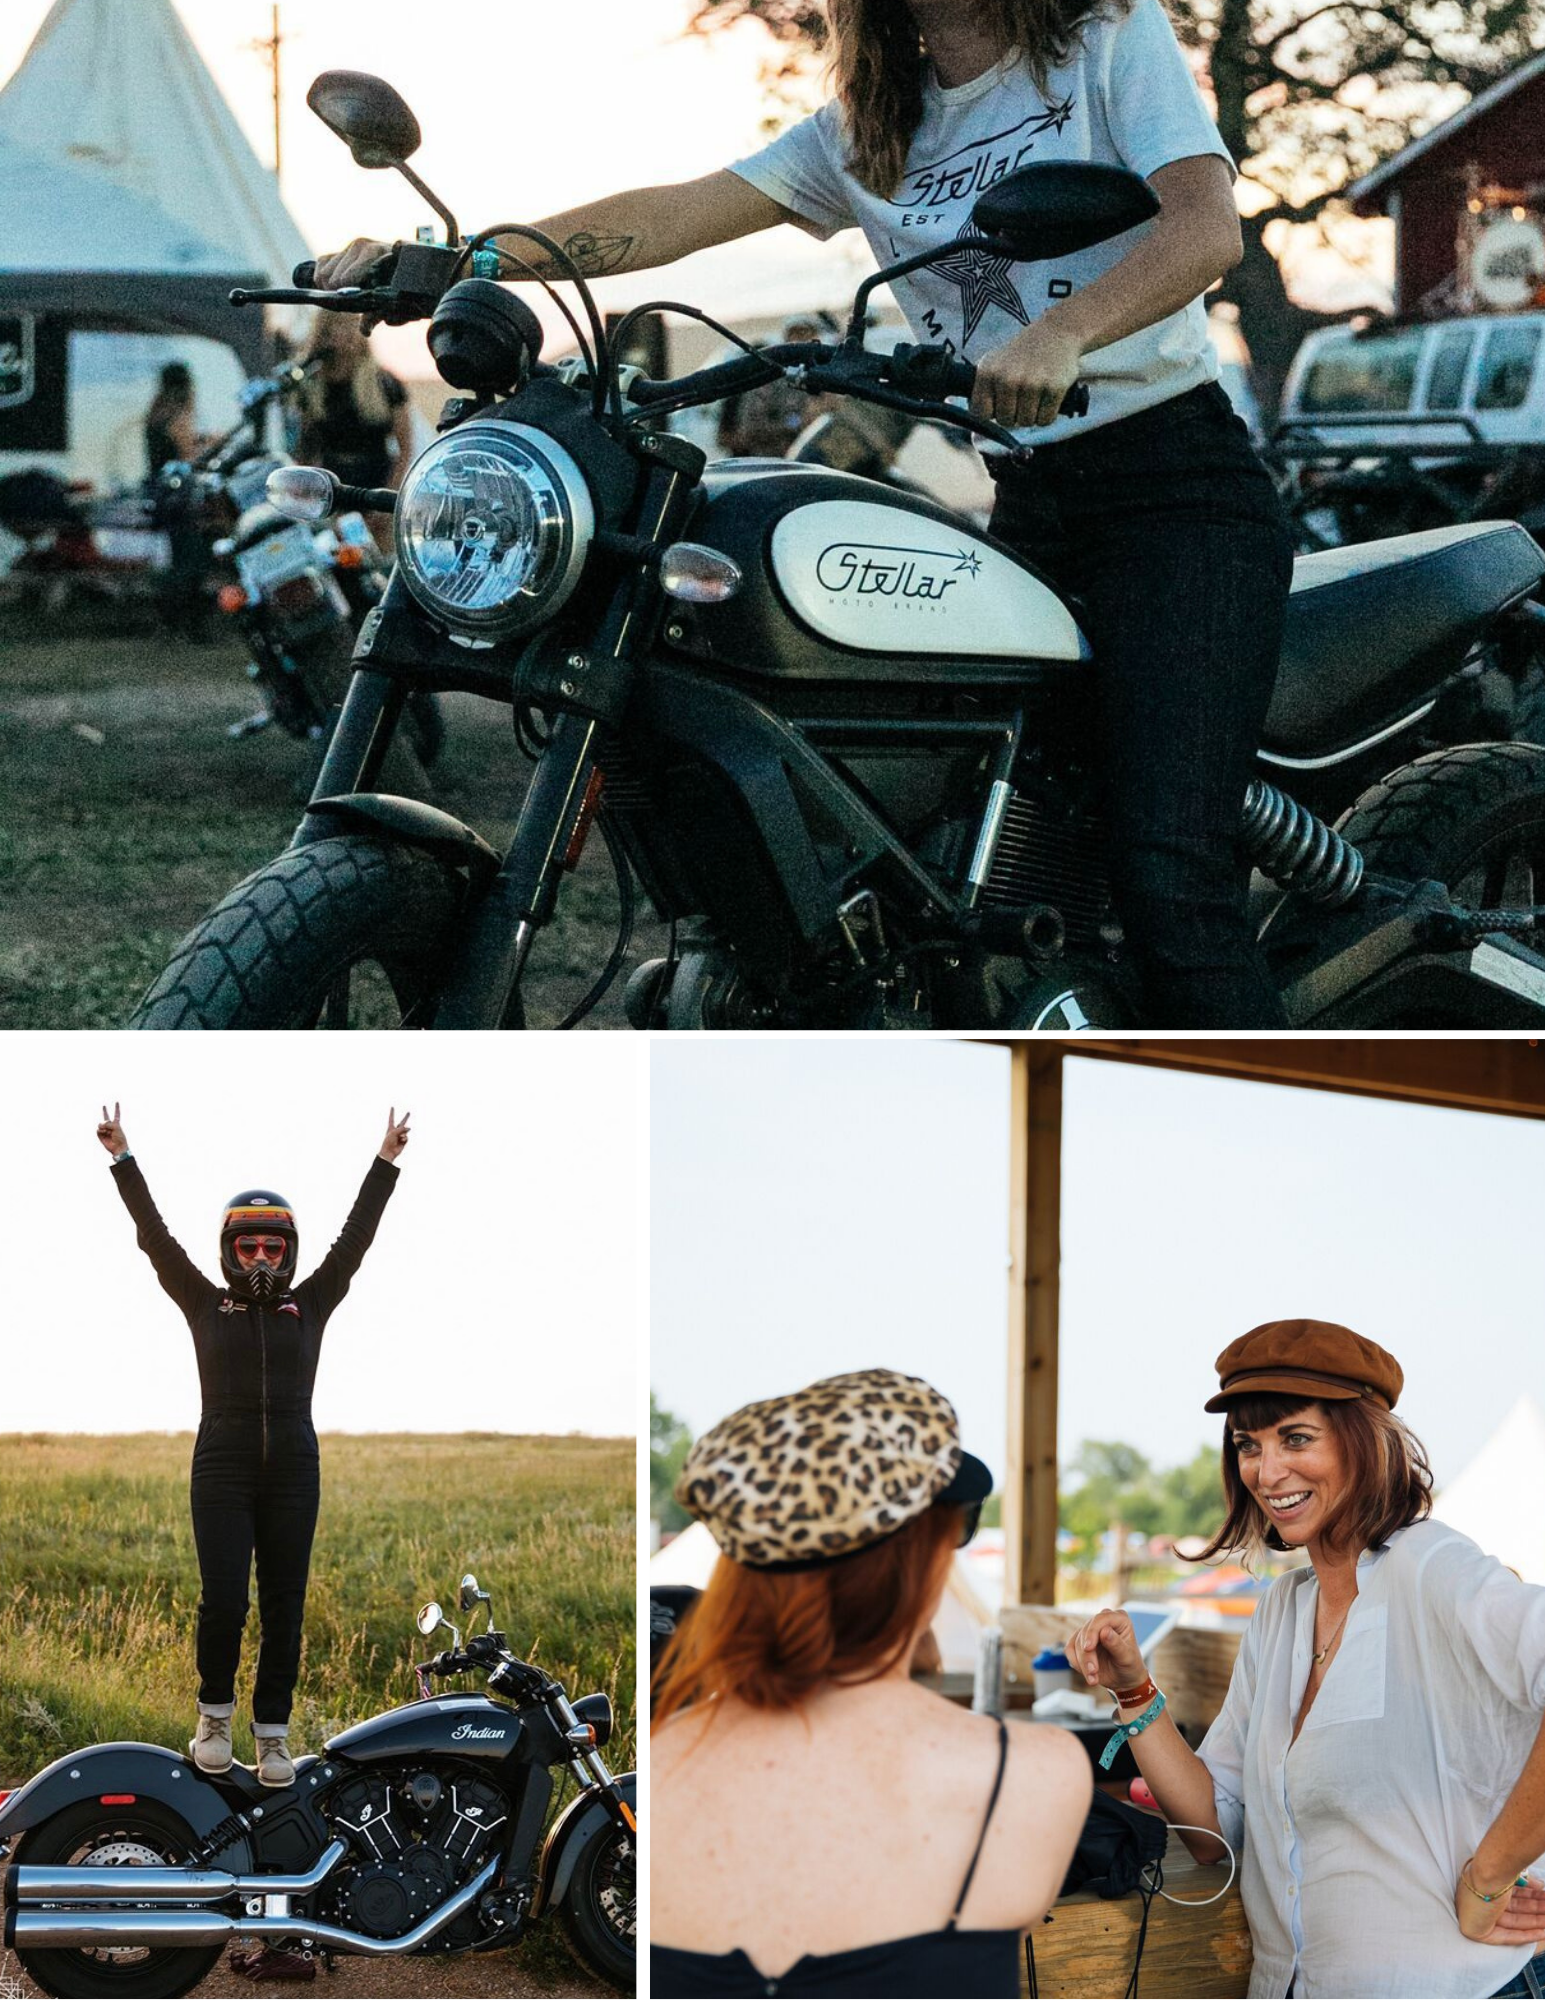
296,592
845,743
420,1831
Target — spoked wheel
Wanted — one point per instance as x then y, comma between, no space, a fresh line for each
92,1836
347,933
600,1912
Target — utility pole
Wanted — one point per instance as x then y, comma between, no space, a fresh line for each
269,45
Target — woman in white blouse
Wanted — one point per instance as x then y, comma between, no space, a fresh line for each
1379,1758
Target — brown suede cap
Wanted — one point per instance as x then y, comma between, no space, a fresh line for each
1315,1356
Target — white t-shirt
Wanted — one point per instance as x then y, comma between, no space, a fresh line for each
1354,1836
1125,97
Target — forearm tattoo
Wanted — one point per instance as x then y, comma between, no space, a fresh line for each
599,256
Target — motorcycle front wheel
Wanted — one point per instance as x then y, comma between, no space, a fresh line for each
346,933
600,1912
92,1836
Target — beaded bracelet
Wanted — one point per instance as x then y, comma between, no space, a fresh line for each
1126,1730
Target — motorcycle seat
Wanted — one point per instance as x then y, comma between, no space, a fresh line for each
1374,628
240,1783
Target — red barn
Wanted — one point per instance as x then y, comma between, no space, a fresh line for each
1468,203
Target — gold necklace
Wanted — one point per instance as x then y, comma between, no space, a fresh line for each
1320,1655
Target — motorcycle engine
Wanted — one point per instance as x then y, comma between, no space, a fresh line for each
414,1837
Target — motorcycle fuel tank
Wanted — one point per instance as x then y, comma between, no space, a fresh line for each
448,1726
846,579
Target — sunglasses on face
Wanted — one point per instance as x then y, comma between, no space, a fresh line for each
269,1247
970,1521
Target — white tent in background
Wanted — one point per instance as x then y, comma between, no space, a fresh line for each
117,85
1499,1498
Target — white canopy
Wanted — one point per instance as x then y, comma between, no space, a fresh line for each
1499,1498
132,198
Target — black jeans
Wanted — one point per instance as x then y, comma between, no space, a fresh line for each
1166,525
254,1494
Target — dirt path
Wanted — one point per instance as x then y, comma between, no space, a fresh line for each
484,1977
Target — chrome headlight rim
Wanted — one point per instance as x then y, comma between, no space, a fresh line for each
525,609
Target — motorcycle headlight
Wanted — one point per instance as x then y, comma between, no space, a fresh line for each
493,524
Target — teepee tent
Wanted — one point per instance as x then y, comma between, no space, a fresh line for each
1499,1498
133,202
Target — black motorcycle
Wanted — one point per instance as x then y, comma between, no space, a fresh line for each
419,1831
297,593
842,739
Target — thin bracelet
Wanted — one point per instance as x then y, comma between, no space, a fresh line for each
1518,1882
1126,1730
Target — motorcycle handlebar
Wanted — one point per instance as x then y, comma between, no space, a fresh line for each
305,273
933,373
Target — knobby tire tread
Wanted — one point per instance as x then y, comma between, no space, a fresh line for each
244,964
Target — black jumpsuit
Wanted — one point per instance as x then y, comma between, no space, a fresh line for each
255,1472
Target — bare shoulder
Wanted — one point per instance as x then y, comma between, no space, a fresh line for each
672,1741
1052,1761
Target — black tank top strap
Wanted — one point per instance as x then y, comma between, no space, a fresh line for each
997,1786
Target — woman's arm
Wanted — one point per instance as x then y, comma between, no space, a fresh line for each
329,1282
1515,1915
1106,1653
180,1277
634,231
1189,244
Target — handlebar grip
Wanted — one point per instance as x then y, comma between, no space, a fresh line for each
1076,402
305,274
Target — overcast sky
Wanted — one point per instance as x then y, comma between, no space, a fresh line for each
818,1207
500,1293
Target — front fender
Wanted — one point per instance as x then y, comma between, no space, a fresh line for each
137,1770
567,1836
408,821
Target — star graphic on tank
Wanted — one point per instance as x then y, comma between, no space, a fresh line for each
983,281
968,561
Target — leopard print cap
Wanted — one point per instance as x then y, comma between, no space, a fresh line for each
823,1472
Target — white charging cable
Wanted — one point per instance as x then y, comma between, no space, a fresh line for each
1201,1902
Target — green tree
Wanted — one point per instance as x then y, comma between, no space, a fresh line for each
1108,1481
669,1443
1310,94
1192,1496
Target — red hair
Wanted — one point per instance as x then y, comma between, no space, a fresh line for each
771,1638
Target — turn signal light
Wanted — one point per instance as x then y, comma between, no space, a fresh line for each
231,597
698,575
346,556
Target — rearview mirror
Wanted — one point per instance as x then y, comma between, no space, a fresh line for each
430,1619
469,1591
1057,207
367,115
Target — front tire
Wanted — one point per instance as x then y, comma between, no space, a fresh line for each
347,932
90,1834
600,1911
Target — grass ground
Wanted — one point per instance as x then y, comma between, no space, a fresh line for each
128,812
99,1584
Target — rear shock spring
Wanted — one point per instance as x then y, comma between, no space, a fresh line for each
1298,850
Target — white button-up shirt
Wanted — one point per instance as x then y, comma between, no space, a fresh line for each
1353,1837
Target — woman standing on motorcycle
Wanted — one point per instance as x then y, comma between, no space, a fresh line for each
256,1481
864,1866
1153,508
1379,1757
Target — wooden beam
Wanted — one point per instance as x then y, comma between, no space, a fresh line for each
1035,1256
1500,1075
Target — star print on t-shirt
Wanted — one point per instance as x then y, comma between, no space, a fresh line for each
984,281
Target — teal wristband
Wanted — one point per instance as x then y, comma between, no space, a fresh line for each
1126,1730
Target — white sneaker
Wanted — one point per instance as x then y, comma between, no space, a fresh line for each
211,1744
274,1765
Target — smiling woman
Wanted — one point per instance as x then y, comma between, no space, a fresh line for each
1379,1756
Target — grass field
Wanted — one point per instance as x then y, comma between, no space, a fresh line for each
128,812
99,1584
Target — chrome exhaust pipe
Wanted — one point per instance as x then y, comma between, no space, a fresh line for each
172,1927
160,1885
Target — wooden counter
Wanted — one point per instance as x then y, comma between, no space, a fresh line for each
1085,1946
